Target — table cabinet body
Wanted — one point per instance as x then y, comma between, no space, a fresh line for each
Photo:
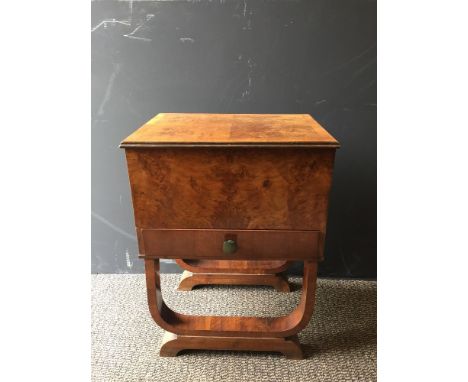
230,187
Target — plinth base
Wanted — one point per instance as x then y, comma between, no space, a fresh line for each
172,344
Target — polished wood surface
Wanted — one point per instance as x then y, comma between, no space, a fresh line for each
226,326
190,280
172,344
200,180
233,272
230,129
251,188
252,244
234,266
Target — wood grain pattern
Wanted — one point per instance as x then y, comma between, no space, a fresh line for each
200,179
172,344
234,266
230,129
231,188
233,272
190,280
224,326
252,244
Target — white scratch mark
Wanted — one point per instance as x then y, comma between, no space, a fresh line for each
137,38
112,21
321,101
187,39
108,92
149,16
114,227
129,261
352,59
251,65
249,21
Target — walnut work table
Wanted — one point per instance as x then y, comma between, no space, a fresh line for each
240,187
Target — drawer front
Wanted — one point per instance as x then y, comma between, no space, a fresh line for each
229,244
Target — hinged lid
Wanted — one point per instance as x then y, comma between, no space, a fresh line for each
197,129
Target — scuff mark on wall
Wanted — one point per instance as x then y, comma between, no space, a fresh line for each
114,227
187,39
251,67
131,35
104,23
108,91
127,258
137,37
351,60
112,21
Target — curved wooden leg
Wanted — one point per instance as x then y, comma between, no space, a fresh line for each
261,328
189,280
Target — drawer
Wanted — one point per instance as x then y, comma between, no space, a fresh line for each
229,244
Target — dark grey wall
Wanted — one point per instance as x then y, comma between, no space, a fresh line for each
309,56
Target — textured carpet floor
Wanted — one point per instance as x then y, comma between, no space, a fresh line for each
339,342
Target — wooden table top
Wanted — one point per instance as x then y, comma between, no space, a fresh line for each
198,129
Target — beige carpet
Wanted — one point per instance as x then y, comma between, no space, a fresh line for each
339,342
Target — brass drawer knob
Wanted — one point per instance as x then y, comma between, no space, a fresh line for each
229,246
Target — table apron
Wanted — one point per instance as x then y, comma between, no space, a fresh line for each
249,244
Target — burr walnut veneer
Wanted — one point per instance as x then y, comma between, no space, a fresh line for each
231,193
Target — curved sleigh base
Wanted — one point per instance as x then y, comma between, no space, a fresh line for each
172,344
190,280
233,272
261,332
